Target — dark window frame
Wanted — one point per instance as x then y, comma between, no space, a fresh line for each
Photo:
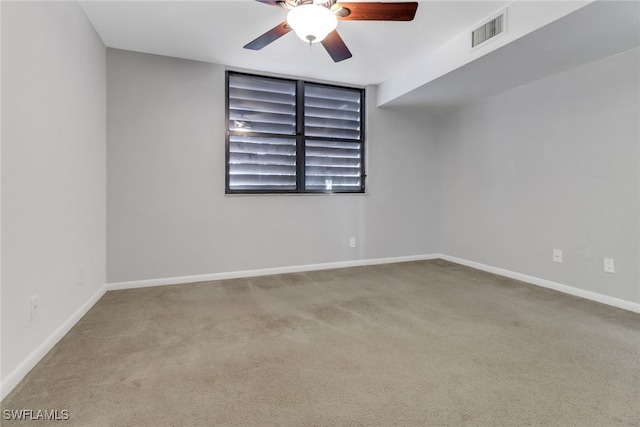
300,137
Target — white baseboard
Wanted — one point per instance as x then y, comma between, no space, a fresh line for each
263,272
593,296
14,378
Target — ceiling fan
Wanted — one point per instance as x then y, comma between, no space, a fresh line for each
315,21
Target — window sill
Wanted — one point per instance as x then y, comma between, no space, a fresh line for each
293,194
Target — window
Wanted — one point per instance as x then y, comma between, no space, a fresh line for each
288,136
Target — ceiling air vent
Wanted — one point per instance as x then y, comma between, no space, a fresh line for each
488,31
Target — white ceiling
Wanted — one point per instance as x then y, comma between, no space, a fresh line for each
215,31
596,31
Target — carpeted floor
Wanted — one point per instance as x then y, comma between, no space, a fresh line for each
426,343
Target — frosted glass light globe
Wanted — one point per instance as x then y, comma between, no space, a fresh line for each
312,23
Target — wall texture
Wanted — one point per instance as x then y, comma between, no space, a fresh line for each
53,172
168,216
553,164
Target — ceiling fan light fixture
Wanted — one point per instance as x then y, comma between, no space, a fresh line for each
312,23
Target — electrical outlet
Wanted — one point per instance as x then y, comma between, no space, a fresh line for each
352,242
557,255
34,307
609,265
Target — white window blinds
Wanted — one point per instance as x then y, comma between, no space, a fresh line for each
293,136
333,149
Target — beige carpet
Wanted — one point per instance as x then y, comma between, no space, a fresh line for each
423,343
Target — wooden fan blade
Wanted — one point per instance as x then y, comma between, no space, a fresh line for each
271,2
270,36
378,11
336,47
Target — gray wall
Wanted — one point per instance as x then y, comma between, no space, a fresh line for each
53,170
167,212
553,164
